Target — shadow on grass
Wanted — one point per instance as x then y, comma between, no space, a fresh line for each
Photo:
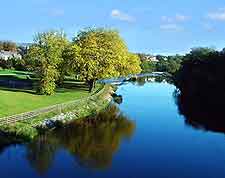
13,77
75,85
65,89
24,83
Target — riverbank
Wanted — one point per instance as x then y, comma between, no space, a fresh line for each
27,130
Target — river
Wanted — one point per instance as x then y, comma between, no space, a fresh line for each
144,136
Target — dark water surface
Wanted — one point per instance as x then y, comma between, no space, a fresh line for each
144,137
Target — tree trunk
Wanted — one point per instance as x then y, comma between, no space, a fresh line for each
91,84
61,81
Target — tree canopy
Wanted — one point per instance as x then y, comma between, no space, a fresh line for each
95,53
46,56
170,64
103,54
201,85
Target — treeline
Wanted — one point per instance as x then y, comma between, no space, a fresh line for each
93,54
201,89
168,64
16,60
202,68
173,64
8,46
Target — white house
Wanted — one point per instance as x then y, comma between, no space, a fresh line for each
9,54
151,58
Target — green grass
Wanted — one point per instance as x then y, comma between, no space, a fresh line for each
14,72
26,131
17,101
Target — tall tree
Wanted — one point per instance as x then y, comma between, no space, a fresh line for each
103,54
46,57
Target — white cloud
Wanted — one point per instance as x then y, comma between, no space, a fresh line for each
167,19
117,14
171,27
217,15
176,18
181,18
172,23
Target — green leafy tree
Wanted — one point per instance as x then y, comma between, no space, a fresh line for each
45,55
69,65
103,54
199,53
161,57
147,67
170,64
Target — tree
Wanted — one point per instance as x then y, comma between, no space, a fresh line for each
161,57
201,84
132,65
69,65
170,65
103,54
199,53
22,50
6,64
147,67
223,51
8,46
46,56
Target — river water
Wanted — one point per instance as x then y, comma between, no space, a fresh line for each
143,137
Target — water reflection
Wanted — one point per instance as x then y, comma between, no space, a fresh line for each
160,148
92,142
141,81
202,112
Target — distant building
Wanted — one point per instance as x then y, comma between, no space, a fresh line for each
151,58
9,54
147,57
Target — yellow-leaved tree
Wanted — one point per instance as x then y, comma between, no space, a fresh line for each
102,54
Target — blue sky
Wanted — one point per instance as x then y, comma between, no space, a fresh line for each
151,26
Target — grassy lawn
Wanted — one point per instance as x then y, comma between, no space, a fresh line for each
13,72
14,102
27,131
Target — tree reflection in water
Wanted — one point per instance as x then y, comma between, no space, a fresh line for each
141,81
205,112
92,141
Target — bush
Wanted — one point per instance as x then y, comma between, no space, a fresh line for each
13,63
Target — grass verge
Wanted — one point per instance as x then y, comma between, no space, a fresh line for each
16,101
26,130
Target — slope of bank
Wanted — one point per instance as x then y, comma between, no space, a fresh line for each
30,128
